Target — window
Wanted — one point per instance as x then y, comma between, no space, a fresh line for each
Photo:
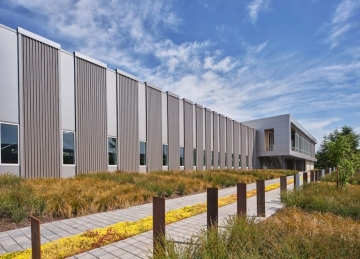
68,148
194,156
247,161
225,160
9,144
165,155
182,162
218,159
239,160
204,157
142,153
212,158
112,151
232,160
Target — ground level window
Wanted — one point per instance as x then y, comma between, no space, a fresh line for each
218,159
9,143
204,157
182,162
239,160
212,158
194,156
225,160
142,153
247,161
165,155
232,160
112,151
68,148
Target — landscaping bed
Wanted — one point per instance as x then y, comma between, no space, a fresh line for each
85,194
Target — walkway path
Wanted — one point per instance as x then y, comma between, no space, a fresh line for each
137,246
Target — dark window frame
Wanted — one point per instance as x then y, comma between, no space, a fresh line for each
8,145
165,155
67,160
110,154
142,156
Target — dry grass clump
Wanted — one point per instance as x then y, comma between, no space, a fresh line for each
290,233
104,191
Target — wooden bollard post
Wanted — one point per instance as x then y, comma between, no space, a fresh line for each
35,239
315,176
260,195
295,181
212,207
241,199
305,177
312,176
283,183
158,225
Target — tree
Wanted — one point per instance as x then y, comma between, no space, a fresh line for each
324,158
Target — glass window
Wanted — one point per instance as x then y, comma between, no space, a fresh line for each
225,160
9,144
204,157
232,160
112,151
182,162
142,153
194,156
239,160
212,158
247,161
68,148
218,159
165,155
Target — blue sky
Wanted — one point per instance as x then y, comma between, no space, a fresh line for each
244,59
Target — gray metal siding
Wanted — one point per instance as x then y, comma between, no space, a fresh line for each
236,144
216,138
222,132
251,146
91,125
199,138
229,142
173,131
188,135
153,122
208,138
243,147
40,110
128,124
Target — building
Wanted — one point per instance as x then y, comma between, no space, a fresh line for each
281,142
62,114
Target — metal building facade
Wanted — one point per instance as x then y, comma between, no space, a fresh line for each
53,92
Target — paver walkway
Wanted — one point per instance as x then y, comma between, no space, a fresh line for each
138,246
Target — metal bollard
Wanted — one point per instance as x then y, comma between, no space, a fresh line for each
158,225
241,199
305,177
260,197
212,207
297,182
322,173
35,239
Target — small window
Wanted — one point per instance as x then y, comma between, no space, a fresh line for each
165,155
247,161
182,162
225,160
212,158
9,144
112,151
68,148
142,153
218,159
232,160
239,160
194,156
204,157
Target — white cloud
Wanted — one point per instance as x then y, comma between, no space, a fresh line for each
256,6
341,22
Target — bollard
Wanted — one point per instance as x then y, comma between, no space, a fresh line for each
212,207
312,176
322,173
35,239
297,182
326,170
305,177
260,197
158,225
316,176
283,183
330,171
241,199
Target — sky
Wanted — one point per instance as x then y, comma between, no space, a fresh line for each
244,59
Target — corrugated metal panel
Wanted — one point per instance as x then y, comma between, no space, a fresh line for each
40,109
188,134
243,147
229,142
181,123
164,118
153,122
208,138
91,125
173,126
216,138
236,144
128,124
199,138
222,133
251,146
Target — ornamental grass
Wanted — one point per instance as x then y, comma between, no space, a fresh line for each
95,238
98,192
290,233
